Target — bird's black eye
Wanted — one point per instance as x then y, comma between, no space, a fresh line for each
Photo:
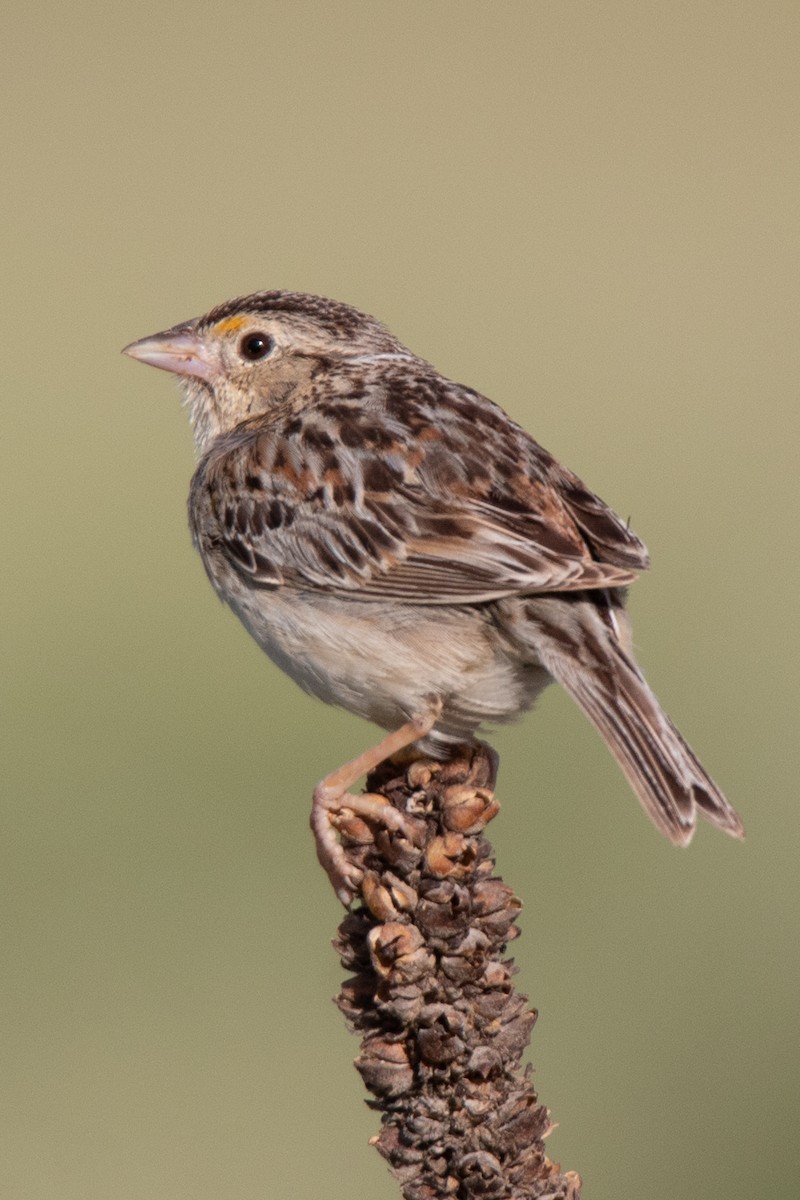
256,345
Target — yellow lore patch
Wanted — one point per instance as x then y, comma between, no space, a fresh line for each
229,324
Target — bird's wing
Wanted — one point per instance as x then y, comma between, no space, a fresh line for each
463,509
610,539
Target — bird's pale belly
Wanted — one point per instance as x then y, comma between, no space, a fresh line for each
388,662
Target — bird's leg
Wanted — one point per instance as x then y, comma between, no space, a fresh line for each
333,798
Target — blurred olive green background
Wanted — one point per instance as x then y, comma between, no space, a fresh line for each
588,211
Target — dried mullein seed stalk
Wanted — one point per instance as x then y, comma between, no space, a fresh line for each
442,1028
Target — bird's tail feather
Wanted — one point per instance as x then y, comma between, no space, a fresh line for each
583,653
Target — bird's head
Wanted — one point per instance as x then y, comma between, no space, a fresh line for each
257,353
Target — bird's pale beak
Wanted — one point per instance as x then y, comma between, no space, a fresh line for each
180,350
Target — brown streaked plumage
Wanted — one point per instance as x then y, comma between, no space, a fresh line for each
401,547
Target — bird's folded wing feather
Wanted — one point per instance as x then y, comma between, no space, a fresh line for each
610,539
414,492
401,524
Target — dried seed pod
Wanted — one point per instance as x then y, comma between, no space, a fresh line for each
450,855
377,897
385,1068
467,809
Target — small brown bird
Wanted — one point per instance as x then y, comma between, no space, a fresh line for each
400,547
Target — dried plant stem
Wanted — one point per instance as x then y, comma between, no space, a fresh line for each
443,1029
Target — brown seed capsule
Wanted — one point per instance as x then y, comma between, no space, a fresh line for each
354,829
421,772
377,898
450,855
399,951
468,809
404,897
385,1068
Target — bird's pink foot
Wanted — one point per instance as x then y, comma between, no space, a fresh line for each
334,803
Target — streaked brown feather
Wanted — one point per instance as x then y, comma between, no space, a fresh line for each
581,652
401,516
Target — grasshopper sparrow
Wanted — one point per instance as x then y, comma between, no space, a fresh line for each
399,546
